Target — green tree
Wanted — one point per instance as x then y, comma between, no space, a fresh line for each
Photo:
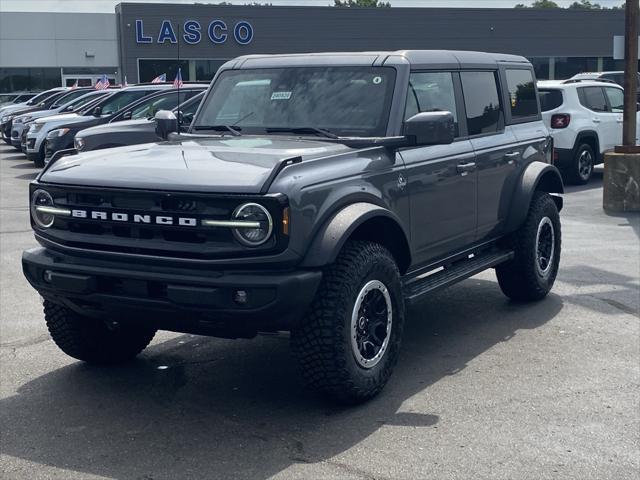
361,3
539,4
585,5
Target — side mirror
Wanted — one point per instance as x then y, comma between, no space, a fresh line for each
166,123
126,115
430,128
637,107
97,111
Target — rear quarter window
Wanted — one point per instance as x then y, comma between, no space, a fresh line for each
550,99
522,94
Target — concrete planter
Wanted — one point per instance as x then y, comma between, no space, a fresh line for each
622,182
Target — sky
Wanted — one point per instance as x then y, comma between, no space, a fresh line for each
107,6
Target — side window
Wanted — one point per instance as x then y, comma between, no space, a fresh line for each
593,99
616,99
482,103
431,92
522,93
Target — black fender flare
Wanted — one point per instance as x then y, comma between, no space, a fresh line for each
536,176
332,236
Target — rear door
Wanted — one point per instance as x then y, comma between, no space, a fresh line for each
603,120
496,149
441,179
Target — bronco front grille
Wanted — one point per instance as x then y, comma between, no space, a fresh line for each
166,224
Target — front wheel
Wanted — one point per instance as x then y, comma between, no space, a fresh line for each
530,275
350,340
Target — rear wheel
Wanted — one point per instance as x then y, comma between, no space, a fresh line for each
581,169
92,340
536,245
349,342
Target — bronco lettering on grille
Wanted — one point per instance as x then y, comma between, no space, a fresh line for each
135,218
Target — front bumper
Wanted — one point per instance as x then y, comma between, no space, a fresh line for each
178,299
53,144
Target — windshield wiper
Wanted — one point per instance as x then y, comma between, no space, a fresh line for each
235,131
318,131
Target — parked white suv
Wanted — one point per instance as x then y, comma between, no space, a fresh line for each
585,121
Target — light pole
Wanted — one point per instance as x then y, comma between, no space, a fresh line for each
630,78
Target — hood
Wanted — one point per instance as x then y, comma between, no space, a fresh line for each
10,109
44,113
62,117
221,164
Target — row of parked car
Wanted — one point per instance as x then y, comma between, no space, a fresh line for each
50,121
583,114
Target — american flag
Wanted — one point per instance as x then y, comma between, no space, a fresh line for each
177,83
102,84
160,78
75,85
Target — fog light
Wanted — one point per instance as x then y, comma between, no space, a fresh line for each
47,276
240,297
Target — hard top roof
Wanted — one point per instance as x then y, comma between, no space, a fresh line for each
559,84
415,58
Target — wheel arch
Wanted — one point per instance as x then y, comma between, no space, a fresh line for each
538,176
591,138
359,221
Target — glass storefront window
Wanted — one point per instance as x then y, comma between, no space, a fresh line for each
541,67
567,67
150,69
206,69
14,79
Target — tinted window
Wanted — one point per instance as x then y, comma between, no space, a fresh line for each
482,102
522,93
148,108
431,92
121,99
68,97
550,99
616,99
593,99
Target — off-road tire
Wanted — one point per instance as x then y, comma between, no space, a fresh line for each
573,173
91,340
519,278
323,345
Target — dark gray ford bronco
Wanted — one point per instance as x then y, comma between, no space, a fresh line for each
317,194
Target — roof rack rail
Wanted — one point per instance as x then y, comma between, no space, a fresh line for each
579,80
197,82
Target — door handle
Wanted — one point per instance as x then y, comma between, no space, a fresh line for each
511,156
596,120
465,168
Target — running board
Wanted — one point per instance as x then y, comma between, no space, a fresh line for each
445,276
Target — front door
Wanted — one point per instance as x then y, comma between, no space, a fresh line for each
612,121
442,179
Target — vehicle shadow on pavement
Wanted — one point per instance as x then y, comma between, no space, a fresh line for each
195,407
595,182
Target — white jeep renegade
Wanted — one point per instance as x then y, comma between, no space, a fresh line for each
585,121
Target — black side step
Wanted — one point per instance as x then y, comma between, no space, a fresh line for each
414,288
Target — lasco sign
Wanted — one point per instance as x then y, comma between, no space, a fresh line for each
192,32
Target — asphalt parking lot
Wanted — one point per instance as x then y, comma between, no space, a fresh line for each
485,388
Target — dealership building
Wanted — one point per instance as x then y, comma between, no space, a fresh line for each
140,41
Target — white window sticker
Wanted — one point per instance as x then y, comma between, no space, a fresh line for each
377,80
280,95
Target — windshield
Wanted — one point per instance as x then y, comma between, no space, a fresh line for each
77,103
67,97
41,97
121,99
550,99
346,101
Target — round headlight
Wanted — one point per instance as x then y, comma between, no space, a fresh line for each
41,198
250,236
